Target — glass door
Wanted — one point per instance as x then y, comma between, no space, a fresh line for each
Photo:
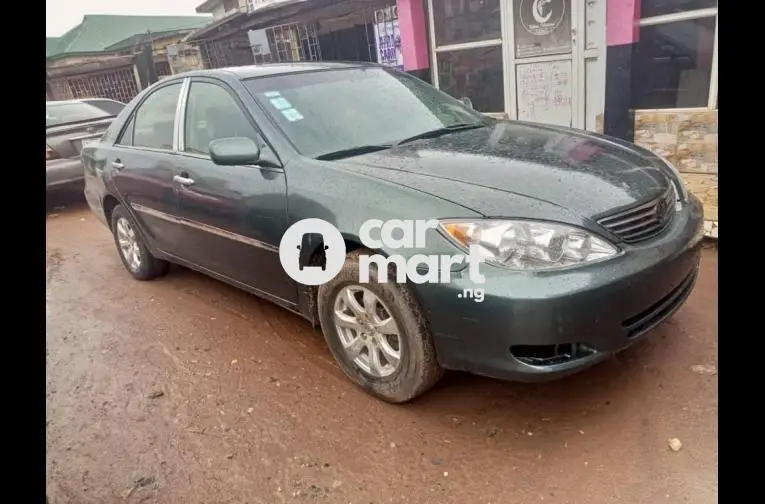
543,61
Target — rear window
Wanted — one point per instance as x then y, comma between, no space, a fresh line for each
65,113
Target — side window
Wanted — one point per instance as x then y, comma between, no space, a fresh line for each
212,113
126,138
153,122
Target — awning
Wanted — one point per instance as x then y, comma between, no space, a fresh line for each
281,12
234,22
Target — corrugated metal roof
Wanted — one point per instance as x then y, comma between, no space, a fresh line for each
97,32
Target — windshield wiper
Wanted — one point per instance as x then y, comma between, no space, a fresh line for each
441,131
353,151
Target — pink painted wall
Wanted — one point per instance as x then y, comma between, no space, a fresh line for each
621,21
414,34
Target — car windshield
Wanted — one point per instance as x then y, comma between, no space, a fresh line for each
65,113
357,109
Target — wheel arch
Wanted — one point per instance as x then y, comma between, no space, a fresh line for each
308,295
109,204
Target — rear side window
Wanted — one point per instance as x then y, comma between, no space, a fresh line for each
155,117
67,113
127,134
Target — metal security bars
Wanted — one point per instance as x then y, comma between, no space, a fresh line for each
233,50
290,42
118,84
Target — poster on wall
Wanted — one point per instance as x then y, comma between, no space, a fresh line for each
388,38
542,27
259,42
544,92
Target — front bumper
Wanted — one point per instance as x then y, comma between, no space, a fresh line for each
545,325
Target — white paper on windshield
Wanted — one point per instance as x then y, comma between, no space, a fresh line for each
280,103
292,115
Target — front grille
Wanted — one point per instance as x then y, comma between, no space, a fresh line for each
649,318
644,221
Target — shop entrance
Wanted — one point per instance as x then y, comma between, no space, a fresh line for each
532,60
543,61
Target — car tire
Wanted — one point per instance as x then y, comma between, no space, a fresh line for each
146,267
418,369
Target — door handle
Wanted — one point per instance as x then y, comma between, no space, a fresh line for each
117,165
184,181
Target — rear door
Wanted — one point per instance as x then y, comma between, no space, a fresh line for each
143,161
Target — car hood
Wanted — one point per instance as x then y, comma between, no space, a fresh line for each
479,169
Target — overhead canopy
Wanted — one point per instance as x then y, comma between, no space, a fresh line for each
283,12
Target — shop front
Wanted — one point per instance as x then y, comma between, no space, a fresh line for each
661,87
533,60
641,70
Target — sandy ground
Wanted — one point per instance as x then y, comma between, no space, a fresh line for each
185,390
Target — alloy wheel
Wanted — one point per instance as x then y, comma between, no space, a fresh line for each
128,243
368,331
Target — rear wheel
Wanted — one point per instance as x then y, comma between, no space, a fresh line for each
133,252
377,333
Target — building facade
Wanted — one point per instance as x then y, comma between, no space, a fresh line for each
641,70
661,87
97,58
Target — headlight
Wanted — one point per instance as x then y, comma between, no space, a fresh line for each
529,245
680,192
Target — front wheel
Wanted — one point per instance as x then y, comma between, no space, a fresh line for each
377,333
132,250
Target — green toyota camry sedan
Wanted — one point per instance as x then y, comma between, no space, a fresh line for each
417,234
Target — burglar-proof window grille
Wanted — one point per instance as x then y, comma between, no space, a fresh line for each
225,52
184,57
162,68
118,84
60,90
290,42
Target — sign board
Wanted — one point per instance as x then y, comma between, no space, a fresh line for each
388,38
544,92
259,42
542,27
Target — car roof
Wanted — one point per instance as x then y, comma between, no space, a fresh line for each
270,69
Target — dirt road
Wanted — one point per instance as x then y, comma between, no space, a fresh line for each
185,390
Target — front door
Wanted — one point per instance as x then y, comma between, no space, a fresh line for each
555,61
234,216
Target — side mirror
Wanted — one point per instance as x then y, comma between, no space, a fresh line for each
234,151
466,101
